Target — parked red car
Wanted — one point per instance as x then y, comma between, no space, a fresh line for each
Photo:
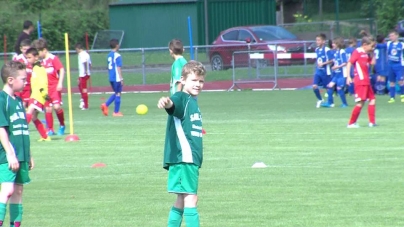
261,38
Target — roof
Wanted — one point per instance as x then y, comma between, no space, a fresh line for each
142,2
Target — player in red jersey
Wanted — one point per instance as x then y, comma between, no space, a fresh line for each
26,92
55,70
361,59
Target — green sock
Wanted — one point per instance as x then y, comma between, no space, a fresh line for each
191,217
175,217
3,207
15,214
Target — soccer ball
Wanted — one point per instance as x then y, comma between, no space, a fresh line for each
141,109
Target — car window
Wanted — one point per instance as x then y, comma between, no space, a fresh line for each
269,33
243,35
231,36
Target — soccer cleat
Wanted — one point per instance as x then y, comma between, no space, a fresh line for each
47,139
343,106
104,109
327,105
391,100
81,105
371,125
354,125
82,108
319,103
119,114
50,132
61,131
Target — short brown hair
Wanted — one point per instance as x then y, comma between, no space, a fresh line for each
113,43
176,46
193,67
78,46
353,41
322,36
368,39
339,42
40,44
10,69
25,43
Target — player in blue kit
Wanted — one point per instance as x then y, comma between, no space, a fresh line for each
348,51
323,70
338,79
114,61
395,64
380,68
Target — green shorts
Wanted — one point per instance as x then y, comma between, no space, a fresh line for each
183,178
19,177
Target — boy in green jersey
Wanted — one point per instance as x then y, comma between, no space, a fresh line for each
15,153
183,151
176,49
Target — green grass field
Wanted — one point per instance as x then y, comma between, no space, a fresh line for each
319,172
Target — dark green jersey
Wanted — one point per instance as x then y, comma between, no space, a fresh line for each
12,117
176,70
183,143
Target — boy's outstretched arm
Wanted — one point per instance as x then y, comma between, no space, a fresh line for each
165,102
13,163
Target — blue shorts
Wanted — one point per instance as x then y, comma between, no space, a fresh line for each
116,86
321,79
395,72
339,81
381,71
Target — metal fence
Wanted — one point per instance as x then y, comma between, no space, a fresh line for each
244,63
345,28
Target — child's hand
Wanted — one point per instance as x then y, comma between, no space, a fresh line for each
320,65
13,163
31,163
165,102
334,67
348,80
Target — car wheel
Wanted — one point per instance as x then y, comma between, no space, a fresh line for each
216,62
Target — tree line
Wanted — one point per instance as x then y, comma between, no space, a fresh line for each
76,17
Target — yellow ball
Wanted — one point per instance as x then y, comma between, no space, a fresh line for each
141,109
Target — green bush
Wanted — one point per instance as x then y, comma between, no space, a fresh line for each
57,18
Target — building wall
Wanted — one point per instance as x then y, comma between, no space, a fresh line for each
153,25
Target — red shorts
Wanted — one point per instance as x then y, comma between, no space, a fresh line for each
37,105
363,93
83,81
55,98
25,93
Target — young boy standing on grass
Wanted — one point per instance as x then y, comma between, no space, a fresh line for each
84,74
15,153
176,49
56,74
114,61
183,151
26,92
39,95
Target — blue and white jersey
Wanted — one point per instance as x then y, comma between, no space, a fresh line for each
380,54
395,52
339,59
348,52
323,55
114,61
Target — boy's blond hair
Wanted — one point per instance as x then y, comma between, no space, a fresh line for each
193,67
10,69
176,46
